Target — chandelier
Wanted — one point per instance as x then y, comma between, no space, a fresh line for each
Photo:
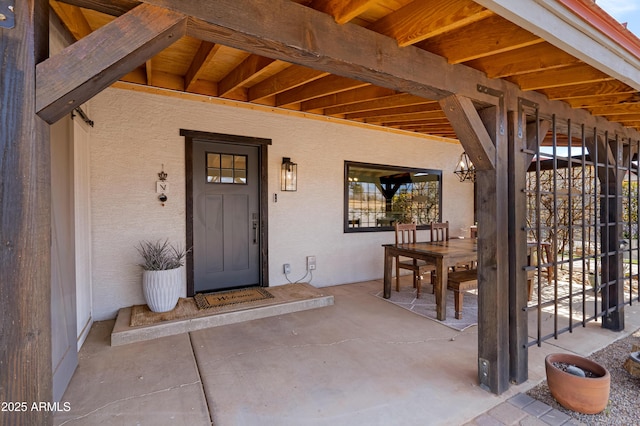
465,169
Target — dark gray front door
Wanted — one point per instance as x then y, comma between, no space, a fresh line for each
226,209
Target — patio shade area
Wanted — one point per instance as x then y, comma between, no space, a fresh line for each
542,97
359,361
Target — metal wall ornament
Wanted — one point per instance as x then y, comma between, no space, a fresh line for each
288,175
465,169
162,186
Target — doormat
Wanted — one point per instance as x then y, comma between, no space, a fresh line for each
426,305
232,297
142,315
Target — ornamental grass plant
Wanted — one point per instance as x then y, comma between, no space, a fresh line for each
161,255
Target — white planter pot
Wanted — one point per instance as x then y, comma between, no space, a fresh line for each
162,289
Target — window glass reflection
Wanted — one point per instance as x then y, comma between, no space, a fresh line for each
378,196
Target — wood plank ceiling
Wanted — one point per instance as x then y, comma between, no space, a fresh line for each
460,30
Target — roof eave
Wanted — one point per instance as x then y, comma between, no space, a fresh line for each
581,29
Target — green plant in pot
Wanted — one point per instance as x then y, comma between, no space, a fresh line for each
162,278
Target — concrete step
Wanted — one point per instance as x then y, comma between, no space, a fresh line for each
287,299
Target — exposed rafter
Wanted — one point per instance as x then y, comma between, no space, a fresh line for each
423,19
85,68
277,58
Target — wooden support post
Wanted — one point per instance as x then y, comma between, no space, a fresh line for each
487,147
519,161
493,255
610,155
25,221
518,292
612,269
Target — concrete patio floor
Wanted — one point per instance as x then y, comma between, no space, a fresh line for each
360,361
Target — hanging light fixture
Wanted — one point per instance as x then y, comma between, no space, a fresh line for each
465,169
288,175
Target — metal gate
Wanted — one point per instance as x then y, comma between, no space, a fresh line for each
582,228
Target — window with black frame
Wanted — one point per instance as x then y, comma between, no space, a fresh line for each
377,196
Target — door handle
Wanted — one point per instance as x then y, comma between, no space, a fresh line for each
255,228
255,233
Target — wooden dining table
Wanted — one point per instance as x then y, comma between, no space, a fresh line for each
443,254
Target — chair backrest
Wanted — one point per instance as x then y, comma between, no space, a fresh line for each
405,233
440,231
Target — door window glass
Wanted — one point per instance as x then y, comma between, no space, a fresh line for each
226,168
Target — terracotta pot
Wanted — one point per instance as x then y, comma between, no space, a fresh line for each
588,395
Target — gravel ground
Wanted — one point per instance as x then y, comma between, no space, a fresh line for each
624,397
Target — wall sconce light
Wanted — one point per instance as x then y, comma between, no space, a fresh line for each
465,169
288,175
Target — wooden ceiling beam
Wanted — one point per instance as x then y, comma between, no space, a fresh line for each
368,56
624,108
137,76
423,19
317,88
432,122
406,117
295,33
204,55
441,132
444,132
205,87
427,106
361,94
278,35
342,11
108,7
148,69
572,75
73,19
167,80
473,135
250,67
603,100
377,104
435,122
418,124
624,117
291,77
538,57
612,87
80,71
490,36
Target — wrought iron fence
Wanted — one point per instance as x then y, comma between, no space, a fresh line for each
582,205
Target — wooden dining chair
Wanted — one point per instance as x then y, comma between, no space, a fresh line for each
461,282
406,234
440,231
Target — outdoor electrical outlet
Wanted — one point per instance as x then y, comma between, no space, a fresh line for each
311,263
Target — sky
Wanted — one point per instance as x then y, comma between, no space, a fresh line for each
624,11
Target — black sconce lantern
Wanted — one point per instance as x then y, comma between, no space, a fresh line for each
465,169
289,175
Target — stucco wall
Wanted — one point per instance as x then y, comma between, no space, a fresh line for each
136,133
